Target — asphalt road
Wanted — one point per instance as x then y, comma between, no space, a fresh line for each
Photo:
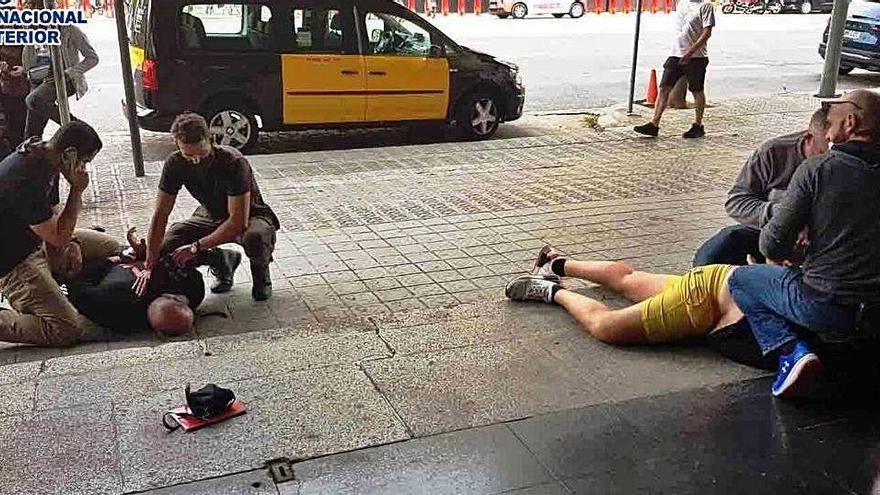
573,64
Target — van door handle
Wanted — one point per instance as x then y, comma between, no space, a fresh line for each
378,73
350,72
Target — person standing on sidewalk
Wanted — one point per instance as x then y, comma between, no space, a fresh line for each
79,57
759,189
232,210
694,21
835,196
40,313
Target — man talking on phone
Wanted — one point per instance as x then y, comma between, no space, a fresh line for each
39,313
694,21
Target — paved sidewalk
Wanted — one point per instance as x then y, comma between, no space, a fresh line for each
389,321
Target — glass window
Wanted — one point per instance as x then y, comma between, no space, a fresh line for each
318,31
226,27
218,19
392,35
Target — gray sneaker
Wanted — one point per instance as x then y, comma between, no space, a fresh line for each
531,288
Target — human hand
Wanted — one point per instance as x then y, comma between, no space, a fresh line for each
141,282
183,255
78,178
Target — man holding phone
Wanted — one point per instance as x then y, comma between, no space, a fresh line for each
694,21
39,313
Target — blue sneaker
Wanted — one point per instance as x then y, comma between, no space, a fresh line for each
797,371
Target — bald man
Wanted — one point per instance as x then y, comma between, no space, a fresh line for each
835,196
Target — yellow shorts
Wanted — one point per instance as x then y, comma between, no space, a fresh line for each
687,306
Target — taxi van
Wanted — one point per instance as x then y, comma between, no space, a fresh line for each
272,65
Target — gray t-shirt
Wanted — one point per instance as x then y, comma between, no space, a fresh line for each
762,182
691,16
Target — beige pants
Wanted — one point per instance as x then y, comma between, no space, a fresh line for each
41,315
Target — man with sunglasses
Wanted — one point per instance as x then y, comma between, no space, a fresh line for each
835,196
231,210
39,313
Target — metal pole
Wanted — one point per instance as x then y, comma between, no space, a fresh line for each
128,81
635,61
58,75
828,87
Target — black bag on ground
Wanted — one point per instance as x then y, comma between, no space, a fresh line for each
208,401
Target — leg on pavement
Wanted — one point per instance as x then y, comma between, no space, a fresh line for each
40,313
730,246
259,244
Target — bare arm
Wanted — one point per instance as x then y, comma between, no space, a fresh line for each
701,42
58,229
234,226
158,224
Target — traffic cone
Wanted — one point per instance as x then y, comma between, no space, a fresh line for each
652,89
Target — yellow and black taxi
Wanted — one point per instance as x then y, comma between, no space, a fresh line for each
271,65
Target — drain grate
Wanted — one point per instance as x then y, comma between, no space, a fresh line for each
281,471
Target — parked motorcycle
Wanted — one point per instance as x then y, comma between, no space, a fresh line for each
751,6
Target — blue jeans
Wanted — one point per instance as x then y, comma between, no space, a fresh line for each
729,247
774,302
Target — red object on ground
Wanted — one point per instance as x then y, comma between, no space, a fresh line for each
411,5
668,6
598,6
445,7
612,6
478,7
654,6
181,416
627,6
462,6
652,89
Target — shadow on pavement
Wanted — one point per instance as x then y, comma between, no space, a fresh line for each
157,146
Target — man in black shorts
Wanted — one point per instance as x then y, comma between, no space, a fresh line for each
690,57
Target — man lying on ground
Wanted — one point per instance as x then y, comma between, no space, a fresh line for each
102,290
666,308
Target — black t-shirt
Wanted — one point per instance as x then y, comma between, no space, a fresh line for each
224,173
28,191
103,293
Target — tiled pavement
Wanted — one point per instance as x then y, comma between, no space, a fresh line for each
388,322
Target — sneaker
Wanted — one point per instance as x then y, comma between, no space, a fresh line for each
797,371
542,267
696,131
648,129
223,268
531,288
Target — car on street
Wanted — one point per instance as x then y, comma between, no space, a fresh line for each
808,6
861,37
272,65
519,9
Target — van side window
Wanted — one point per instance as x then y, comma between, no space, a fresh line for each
238,27
318,30
391,35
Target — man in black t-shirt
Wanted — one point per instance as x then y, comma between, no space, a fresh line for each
103,294
40,313
232,210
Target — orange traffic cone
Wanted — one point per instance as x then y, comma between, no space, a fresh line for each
652,89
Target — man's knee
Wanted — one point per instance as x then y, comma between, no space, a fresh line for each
258,242
35,102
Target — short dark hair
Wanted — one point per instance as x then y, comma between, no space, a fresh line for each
819,121
77,135
189,127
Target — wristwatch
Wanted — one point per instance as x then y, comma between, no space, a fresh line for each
195,247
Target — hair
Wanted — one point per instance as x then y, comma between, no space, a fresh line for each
169,316
190,128
77,135
819,121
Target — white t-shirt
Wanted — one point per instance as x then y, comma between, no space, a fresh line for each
691,16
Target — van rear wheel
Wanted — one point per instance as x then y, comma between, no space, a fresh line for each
478,116
519,11
577,10
233,125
